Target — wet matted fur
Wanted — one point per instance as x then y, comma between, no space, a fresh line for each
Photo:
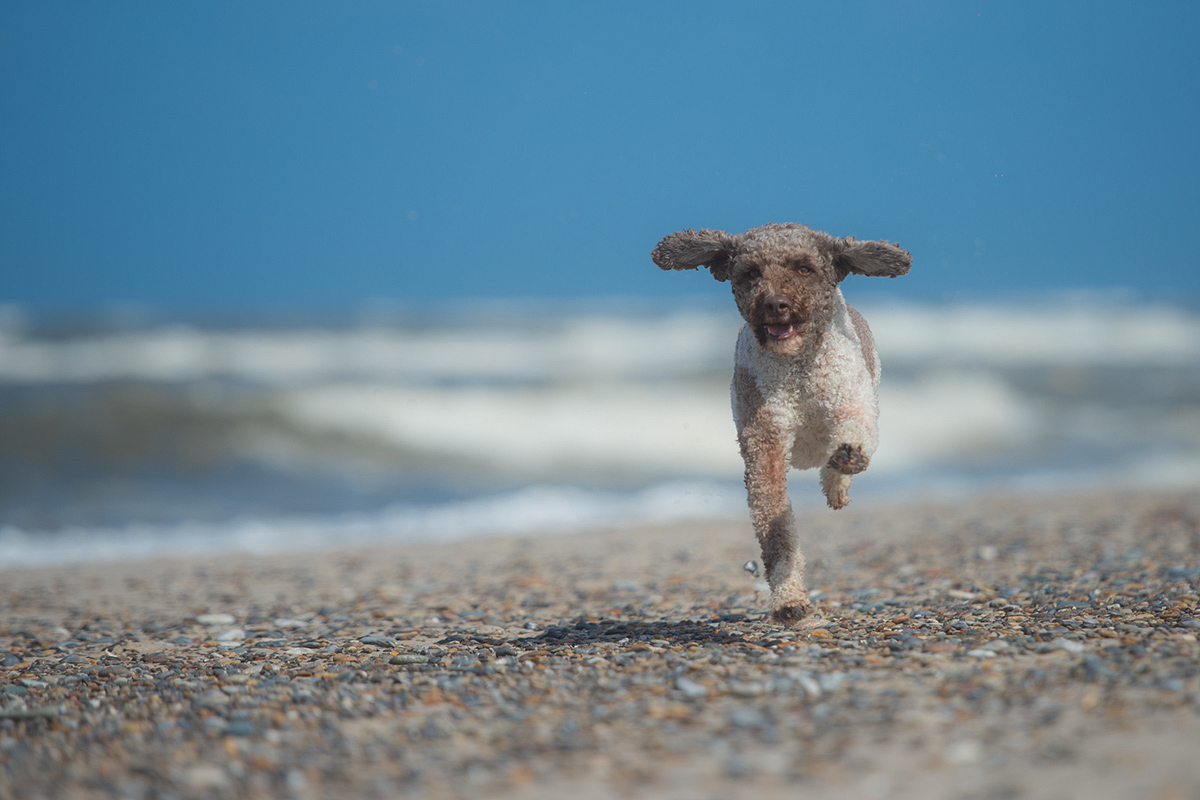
805,372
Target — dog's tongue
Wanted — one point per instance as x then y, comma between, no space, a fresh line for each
779,331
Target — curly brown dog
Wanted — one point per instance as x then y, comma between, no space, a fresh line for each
805,372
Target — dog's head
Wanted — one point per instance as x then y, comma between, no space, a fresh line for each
784,276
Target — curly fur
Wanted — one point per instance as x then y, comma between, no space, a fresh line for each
805,372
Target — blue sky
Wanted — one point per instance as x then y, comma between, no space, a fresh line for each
211,155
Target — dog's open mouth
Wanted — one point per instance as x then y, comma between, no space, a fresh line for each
780,331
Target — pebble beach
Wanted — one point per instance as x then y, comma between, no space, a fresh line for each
1038,646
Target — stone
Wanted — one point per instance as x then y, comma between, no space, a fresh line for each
964,751
408,658
31,712
241,727
379,640
287,623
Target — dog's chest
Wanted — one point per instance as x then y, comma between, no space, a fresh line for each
810,391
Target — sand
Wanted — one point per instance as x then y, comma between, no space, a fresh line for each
1000,647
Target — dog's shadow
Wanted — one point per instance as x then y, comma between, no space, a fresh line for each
612,631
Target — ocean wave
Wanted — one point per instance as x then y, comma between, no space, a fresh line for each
671,428
1073,332
676,428
546,509
551,349
593,345
531,510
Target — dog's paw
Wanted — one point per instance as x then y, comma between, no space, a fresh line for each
838,499
849,459
790,615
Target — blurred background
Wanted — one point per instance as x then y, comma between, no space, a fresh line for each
289,274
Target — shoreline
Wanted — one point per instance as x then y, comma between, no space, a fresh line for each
1009,646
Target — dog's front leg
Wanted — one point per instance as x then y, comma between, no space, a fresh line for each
848,460
854,432
765,449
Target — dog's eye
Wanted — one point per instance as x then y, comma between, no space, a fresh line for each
753,273
804,270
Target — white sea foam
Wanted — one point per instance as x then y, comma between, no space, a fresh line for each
951,414
574,347
595,346
656,428
1070,333
659,429
533,510
530,511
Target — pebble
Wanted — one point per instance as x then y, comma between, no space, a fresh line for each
830,682
205,777
747,717
408,658
746,689
23,711
241,728
1069,645
379,640
965,751
810,686
215,620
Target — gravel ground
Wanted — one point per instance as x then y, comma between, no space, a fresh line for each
992,648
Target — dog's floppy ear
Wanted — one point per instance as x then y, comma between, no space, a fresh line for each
690,249
878,259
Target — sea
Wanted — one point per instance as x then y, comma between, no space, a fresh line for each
135,434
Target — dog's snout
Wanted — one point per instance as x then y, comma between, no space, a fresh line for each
777,305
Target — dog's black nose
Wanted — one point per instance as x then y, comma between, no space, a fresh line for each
777,305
